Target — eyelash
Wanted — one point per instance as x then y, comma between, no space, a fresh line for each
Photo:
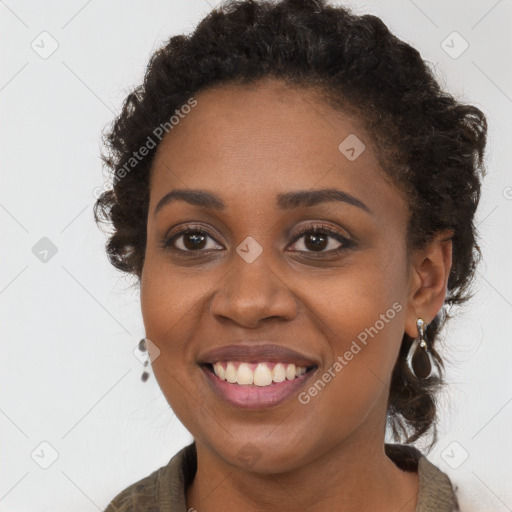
166,243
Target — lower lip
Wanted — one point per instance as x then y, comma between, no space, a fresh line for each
250,396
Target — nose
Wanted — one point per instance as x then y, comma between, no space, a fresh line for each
252,292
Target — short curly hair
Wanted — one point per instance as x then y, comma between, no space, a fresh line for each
430,144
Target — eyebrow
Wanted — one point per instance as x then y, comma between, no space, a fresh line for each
286,201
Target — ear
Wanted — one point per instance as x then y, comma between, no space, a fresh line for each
430,269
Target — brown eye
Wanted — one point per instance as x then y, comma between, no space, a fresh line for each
193,240
318,239
189,240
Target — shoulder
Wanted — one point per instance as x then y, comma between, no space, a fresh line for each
140,496
436,491
161,491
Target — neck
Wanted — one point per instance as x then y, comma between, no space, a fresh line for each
353,476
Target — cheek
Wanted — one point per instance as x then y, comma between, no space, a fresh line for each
170,301
353,386
173,302
169,306
363,322
166,305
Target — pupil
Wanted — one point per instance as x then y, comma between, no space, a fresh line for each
196,238
317,238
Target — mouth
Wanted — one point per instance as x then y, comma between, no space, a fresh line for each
256,385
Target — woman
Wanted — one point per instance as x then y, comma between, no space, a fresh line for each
295,195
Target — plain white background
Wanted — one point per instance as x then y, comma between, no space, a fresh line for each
69,378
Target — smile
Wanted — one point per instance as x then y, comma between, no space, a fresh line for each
260,374
256,385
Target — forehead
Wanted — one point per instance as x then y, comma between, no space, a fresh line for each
252,142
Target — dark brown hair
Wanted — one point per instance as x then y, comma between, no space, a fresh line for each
430,144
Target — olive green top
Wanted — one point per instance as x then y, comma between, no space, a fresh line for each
164,489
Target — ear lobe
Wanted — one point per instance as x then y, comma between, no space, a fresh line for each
430,270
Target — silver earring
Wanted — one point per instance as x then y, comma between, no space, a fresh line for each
419,357
143,348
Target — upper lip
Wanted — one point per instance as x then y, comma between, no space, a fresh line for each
252,353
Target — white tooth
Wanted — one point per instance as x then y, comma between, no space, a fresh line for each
297,371
230,373
302,370
219,371
278,373
290,371
245,374
262,375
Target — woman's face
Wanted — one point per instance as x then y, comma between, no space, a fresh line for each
332,299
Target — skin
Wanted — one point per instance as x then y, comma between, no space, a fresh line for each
248,144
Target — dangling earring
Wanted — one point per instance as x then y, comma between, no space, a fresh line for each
419,358
143,348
